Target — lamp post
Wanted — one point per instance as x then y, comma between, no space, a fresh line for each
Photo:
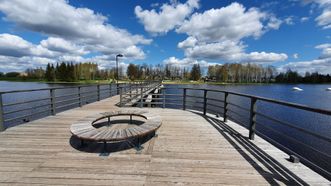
117,56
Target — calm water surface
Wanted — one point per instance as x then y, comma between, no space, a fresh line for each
7,85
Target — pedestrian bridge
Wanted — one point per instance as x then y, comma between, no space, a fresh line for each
190,148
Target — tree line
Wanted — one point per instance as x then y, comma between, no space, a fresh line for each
163,72
294,77
228,73
241,73
72,72
64,71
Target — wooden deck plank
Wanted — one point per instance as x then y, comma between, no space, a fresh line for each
189,149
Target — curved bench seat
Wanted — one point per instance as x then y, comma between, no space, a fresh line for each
86,131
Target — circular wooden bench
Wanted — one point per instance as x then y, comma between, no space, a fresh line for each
85,130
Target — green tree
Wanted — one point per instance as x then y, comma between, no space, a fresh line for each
212,71
48,72
70,72
62,72
52,73
12,74
196,72
132,71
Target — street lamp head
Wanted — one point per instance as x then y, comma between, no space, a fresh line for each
119,55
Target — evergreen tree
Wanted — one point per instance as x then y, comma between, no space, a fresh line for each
52,73
62,72
196,72
73,72
48,72
57,71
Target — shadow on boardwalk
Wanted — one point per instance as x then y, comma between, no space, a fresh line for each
111,147
272,171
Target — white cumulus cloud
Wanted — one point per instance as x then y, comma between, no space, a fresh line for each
232,22
324,19
186,62
321,65
167,18
217,34
80,26
63,46
15,46
326,50
295,56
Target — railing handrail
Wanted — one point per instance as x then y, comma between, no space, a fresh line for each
52,88
284,103
74,86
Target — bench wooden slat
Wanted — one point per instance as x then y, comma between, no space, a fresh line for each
86,130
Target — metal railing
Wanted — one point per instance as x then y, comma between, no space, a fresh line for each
181,99
205,100
38,103
131,94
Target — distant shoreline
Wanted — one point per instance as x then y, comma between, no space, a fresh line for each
167,82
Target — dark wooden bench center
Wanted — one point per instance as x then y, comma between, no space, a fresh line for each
85,129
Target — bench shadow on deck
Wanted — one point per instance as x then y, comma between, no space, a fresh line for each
111,147
247,149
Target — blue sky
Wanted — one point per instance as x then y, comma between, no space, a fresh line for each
292,34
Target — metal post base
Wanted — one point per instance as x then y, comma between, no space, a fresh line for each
82,143
139,147
104,150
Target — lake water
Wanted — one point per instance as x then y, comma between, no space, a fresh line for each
300,142
8,86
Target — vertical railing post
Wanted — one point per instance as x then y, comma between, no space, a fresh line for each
2,125
164,98
130,90
252,118
121,97
184,99
98,89
204,102
110,90
79,97
117,88
141,97
53,106
225,110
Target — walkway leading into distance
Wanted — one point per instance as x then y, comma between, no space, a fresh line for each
189,149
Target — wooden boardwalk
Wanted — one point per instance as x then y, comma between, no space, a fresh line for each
189,149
